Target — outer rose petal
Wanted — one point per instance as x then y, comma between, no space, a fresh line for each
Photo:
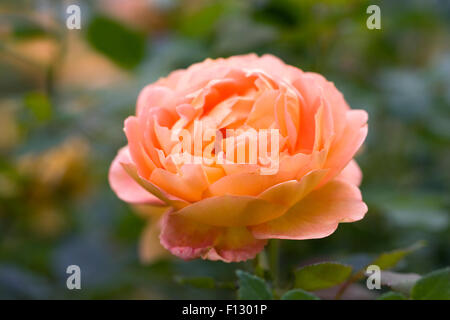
235,245
124,186
351,173
317,215
189,239
154,96
150,248
240,211
351,140
232,211
186,238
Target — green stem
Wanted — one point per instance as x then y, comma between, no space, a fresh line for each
260,264
274,263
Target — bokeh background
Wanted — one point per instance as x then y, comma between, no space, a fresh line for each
65,93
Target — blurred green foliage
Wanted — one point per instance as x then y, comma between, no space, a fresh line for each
65,93
122,45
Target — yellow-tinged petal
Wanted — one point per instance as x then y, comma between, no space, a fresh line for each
150,249
238,211
317,215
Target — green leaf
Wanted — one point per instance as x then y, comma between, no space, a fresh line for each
390,259
197,282
299,294
202,22
321,275
433,286
401,282
122,45
39,104
252,287
391,296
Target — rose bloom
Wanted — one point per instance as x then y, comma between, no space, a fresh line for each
229,211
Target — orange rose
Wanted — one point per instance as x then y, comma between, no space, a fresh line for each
227,210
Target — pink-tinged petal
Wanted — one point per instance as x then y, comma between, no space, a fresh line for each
124,186
351,173
189,239
317,215
185,237
235,245
275,67
155,96
150,249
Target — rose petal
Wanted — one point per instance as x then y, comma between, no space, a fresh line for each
243,210
154,96
235,245
189,239
144,163
317,215
189,184
351,173
124,186
290,192
167,199
342,151
232,211
150,249
185,237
